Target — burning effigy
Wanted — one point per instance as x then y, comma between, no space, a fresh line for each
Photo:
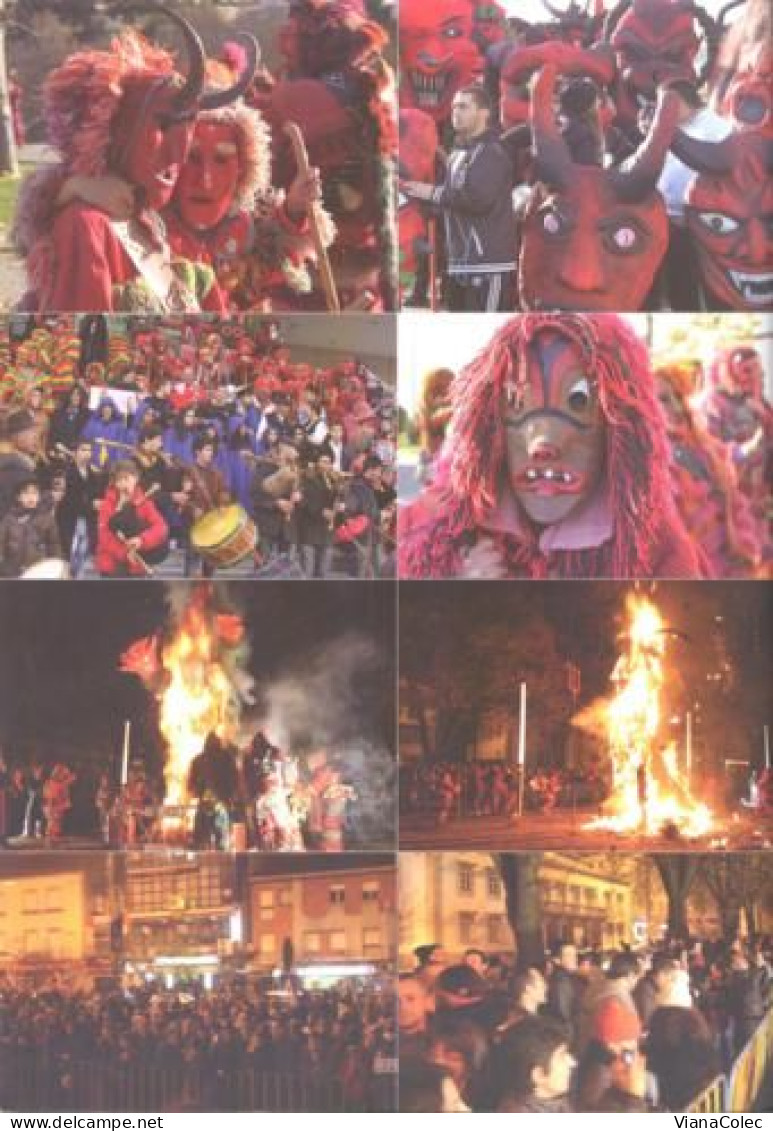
651,789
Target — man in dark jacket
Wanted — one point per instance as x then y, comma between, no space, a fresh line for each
565,987
18,452
477,207
746,996
316,512
28,532
363,519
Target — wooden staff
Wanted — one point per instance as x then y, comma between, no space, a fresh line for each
135,556
323,260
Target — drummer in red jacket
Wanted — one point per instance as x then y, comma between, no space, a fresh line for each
132,536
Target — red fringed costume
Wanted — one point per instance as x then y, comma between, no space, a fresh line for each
624,525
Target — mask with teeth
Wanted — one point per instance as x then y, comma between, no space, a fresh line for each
524,60
437,54
593,238
554,430
655,42
729,215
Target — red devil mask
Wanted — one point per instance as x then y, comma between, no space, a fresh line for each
729,214
154,123
593,238
437,54
740,373
523,61
748,100
656,42
490,24
207,183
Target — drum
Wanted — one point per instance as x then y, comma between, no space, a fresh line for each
49,569
225,536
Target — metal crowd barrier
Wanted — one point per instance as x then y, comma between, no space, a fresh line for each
739,1090
46,1083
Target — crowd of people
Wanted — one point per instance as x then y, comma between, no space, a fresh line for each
210,202
259,798
539,462
492,789
197,439
82,1050
607,157
631,1031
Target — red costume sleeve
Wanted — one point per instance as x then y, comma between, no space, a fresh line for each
110,551
87,261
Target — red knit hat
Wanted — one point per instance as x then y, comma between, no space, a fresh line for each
614,1022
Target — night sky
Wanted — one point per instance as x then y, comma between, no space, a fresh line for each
61,694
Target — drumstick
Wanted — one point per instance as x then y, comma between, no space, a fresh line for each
325,270
135,555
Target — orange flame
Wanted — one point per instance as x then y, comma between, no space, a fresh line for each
198,696
650,784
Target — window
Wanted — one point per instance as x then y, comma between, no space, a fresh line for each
312,942
371,939
267,945
266,905
266,898
371,890
466,879
338,942
285,897
466,927
493,883
620,899
496,929
590,897
338,895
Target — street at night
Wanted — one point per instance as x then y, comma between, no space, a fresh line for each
598,715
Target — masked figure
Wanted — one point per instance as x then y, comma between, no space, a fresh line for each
555,463
489,24
729,213
705,482
438,54
593,238
128,113
419,147
748,97
657,42
735,411
340,96
225,213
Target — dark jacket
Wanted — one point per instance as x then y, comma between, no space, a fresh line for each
681,1053
15,467
564,990
319,494
27,538
476,202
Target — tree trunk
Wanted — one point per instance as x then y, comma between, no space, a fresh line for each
677,874
520,878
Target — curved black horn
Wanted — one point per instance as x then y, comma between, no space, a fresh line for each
714,157
189,92
613,18
712,33
638,175
552,157
216,99
724,11
556,12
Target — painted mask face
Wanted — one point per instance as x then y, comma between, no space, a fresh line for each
729,214
748,100
655,42
437,53
490,24
555,432
155,138
743,374
594,238
207,183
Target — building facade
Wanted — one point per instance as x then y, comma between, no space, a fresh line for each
341,918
